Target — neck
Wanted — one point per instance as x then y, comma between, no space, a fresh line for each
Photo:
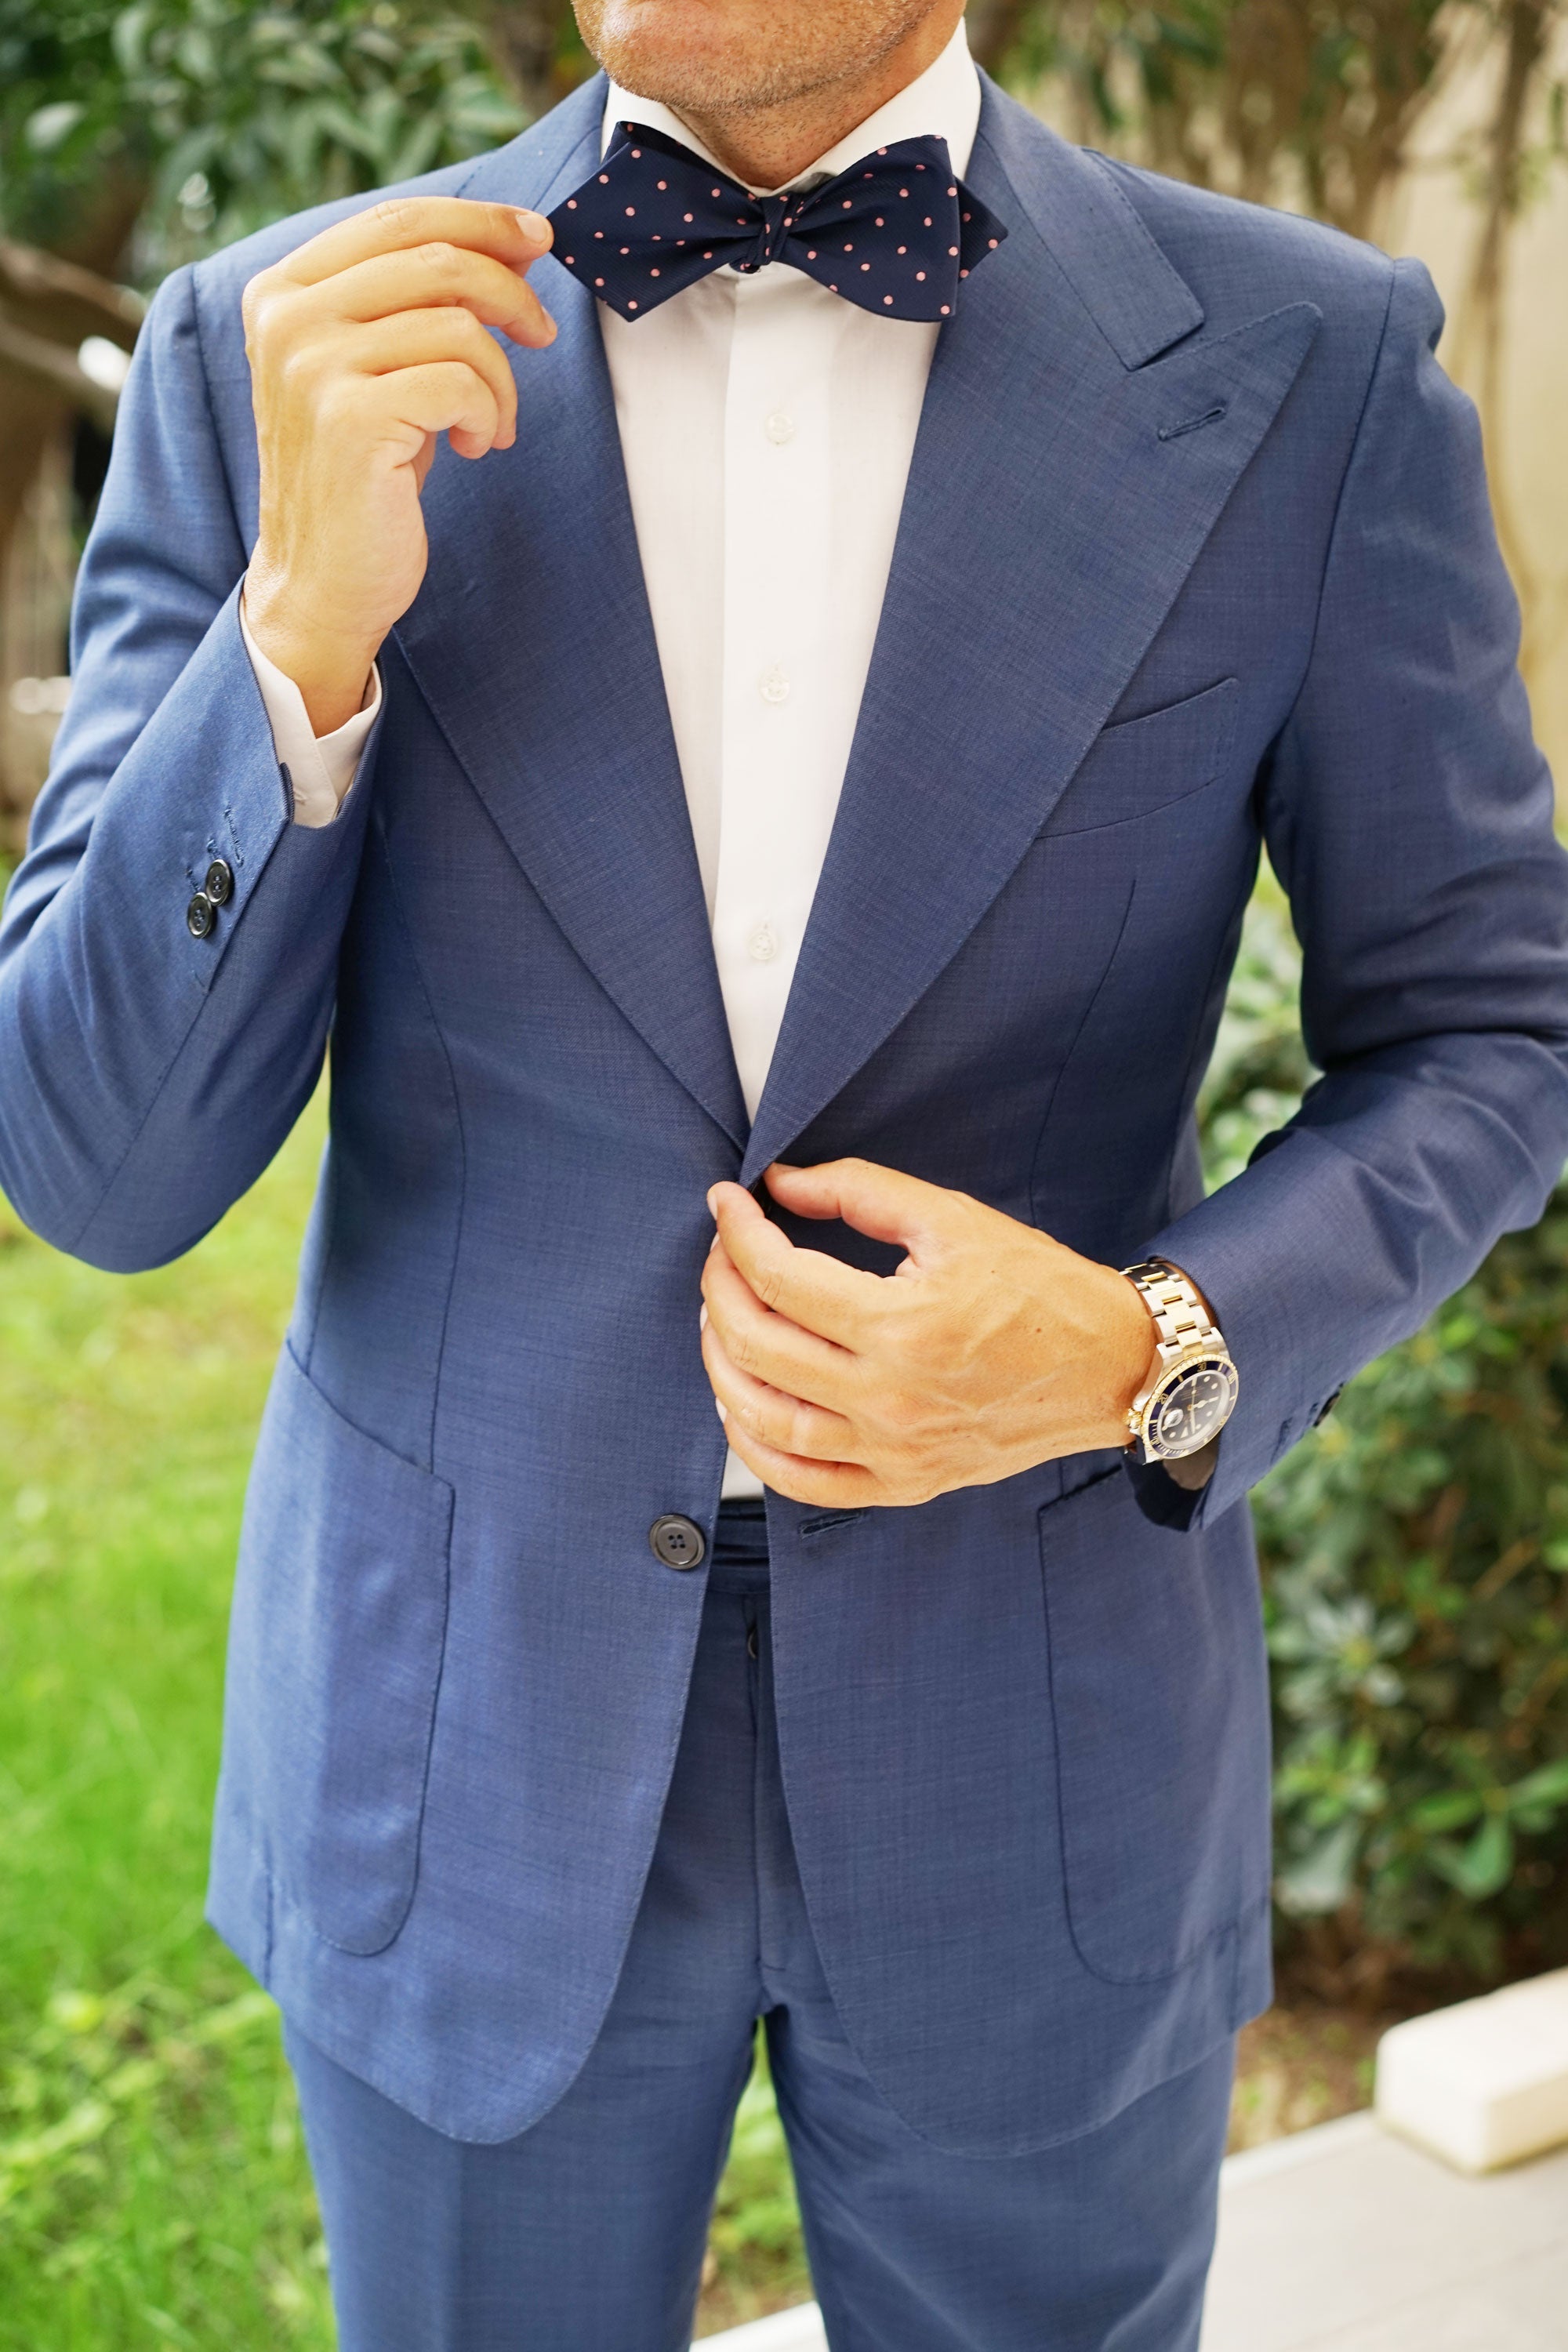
763,146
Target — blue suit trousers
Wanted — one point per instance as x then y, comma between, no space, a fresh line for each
585,2233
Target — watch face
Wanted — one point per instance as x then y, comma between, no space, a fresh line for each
1193,1407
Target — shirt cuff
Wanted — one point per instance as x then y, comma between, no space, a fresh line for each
320,767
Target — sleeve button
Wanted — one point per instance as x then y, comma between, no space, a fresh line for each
219,882
201,917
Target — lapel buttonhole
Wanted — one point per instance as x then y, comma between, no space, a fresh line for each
1194,423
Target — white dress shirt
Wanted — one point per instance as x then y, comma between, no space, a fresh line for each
766,426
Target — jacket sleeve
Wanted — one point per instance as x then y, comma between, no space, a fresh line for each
147,1077
1409,817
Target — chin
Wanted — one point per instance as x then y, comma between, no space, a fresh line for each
705,57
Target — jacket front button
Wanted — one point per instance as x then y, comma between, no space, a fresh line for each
678,1542
218,882
201,917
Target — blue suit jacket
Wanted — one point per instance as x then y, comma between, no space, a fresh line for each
1195,550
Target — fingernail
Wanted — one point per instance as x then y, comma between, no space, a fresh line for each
535,227
711,1210
723,1410
702,1320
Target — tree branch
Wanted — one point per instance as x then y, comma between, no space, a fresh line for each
53,367
61,299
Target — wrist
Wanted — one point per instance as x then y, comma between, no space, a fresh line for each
1192,1388
1134,1341
331,666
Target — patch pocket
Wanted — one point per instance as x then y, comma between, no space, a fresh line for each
335,1651
1159,1697
1141,765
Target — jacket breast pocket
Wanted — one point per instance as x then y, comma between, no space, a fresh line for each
335,1653
1141,765
1160,1701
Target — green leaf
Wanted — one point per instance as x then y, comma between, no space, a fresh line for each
51,126
418,152
1547,1786
1452,1809
128,36
1483,1867
337,122
1320,1880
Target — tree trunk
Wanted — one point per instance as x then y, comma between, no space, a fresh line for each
994,26
524,37
48,307
35,603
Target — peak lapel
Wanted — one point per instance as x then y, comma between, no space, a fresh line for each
532,643
1047,529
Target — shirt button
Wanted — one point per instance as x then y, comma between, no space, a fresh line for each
761,947
773,685
779,428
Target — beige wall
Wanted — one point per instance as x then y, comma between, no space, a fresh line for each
1528,448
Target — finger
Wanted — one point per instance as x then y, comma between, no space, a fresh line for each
833,1486
434,275
398,224
770,1346
880,1202
445,396
425,338
813,1290
785,1422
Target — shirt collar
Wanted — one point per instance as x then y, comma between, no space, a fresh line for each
943,102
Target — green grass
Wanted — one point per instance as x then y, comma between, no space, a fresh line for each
153,2189
152,2186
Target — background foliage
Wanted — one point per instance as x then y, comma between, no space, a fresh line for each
1415,1559
210,117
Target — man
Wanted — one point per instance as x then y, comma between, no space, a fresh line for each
824,714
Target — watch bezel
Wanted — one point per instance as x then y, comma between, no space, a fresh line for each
1145,1414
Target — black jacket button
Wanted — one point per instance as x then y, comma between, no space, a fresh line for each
678,1542
201,917
219,882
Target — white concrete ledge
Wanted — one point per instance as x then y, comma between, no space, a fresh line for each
799,2330
1484,2083
1310,2147
1353,2240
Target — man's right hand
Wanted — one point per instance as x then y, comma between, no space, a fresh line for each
365,345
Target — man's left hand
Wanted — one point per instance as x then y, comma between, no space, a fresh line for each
991,1348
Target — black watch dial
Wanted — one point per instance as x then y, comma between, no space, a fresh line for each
1194,1409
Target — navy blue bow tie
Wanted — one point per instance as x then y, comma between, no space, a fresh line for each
895,233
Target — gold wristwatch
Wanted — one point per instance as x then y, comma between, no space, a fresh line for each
1193,1390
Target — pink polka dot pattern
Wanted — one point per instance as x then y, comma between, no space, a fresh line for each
922,230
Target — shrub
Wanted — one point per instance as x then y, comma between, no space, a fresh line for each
1416,1573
